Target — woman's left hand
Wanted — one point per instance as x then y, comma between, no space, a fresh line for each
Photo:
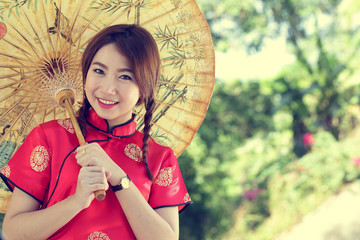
93,155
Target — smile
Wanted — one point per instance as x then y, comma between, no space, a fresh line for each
103,101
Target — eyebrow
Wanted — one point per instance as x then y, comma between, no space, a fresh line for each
119,70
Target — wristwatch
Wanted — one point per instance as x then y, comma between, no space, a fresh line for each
124,184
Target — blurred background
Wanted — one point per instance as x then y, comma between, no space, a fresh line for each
281,134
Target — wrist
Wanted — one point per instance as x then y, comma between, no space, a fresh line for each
116,178
76,205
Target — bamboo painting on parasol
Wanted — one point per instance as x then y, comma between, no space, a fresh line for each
41,43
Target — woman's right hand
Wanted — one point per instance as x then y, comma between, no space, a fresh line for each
90,179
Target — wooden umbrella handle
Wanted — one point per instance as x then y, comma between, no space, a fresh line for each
66,98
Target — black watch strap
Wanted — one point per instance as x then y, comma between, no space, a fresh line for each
120,186
116,188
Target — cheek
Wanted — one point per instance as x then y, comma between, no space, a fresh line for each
133,94
88,86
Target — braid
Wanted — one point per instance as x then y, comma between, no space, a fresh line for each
82,112
149,106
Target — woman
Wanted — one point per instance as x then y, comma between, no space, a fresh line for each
53,196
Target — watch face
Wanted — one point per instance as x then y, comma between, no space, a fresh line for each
125,183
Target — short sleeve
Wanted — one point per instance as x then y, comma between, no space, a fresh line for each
168,188
29,168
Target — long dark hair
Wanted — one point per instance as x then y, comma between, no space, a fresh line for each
141,50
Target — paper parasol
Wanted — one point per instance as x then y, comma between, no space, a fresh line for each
41,43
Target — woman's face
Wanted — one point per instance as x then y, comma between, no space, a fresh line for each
110,86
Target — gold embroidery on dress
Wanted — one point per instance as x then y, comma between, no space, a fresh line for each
187,198
133,151
39,158
98,236
6,170
66,123
165,176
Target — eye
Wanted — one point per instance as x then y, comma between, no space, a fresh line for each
98,71
125,77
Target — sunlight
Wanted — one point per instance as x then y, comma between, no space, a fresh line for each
237,64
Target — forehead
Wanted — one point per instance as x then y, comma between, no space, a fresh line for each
110,55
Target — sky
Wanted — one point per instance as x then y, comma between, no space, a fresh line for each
237,64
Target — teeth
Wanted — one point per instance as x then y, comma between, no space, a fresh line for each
105,101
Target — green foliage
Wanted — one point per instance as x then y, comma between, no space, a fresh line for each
249,161
208,163
299,186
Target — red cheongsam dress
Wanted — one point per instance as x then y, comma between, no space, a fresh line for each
45,167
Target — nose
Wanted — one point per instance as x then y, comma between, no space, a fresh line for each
108,85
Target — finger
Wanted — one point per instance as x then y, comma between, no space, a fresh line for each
93,169
98,187
80,149
92,181
90,187
85,161
107,174
94,178
81,152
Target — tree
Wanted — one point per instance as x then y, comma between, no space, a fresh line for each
316,93
312,29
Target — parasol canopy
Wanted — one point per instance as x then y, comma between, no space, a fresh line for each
41,43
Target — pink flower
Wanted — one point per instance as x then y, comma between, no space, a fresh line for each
308,139
252,193
356,161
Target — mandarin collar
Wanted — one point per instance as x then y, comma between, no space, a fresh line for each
123,130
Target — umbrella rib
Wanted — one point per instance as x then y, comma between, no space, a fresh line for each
27,91
109,23
58,34
12,124
16,66
16,81
48,112
75,57
79,39
35,32
10,95
33,97
14,57
15,93
25,127
170,133
45,104
26,40
17,47
11,108
68,37
8,85
88,24
13,75
47,27
183,84
181,109
50,61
